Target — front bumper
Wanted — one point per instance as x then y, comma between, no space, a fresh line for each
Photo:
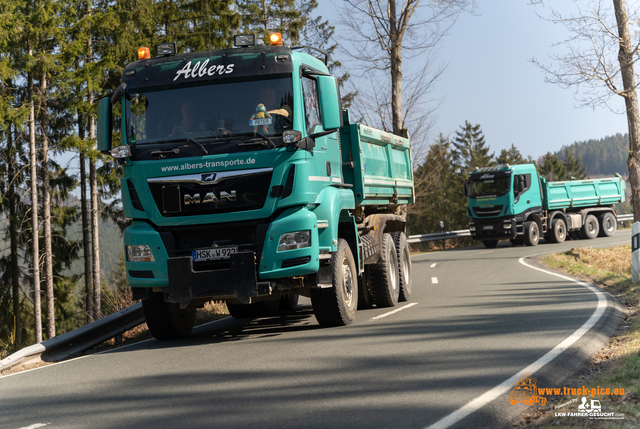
493,229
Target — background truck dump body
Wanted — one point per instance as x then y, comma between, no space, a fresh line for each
583,193
381,172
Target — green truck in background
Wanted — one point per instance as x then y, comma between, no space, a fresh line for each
247,182
513,202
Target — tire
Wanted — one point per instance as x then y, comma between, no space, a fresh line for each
531,233
516,241
289,303
365,299
403,253
337,305
590,228
558,231
490,244
384,275
240,311
165,320
608,224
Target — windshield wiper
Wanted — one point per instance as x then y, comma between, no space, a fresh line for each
189,140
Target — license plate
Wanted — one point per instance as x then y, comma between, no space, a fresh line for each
487,227
261,121
214,254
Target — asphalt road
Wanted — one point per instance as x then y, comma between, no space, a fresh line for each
476,318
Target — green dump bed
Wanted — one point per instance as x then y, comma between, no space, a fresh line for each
377,164
583,193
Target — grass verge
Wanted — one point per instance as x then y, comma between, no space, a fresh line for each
615,366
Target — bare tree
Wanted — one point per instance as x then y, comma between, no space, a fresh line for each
380,42
604,43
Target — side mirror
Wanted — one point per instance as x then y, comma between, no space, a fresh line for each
105,125
465,184
329,103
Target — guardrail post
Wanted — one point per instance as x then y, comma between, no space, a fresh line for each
635,256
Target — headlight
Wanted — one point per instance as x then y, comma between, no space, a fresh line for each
121,152
294,240
140,253
507,226
472,228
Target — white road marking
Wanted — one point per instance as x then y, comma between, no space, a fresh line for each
434,280
394,311
508,384
433,265
488,251
35,425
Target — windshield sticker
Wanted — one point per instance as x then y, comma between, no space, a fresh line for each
201,70
208,164
262,121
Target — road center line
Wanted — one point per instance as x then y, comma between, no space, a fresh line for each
508,384
434,280
433,265
394,311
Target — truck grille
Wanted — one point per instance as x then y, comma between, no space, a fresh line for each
486,212
229,195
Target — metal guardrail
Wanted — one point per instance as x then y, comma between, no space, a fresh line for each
625,217
439,236
78,340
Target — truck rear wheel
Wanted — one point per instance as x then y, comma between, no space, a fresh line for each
365,299
608,225
558,231
384,275
403,254
531,233
166,320
336,306
590,228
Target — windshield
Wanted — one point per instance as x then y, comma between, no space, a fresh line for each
215,110
488,188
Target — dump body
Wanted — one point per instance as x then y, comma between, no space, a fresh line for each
379,165
583,193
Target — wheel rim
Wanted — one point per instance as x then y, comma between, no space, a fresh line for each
608,224
347,283
591,226
534,233
560,229
390,269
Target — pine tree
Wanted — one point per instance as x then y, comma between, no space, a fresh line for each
511,156
470,150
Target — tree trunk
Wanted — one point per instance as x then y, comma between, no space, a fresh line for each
46,209
37,310
625,57
86,237
396,69
13,238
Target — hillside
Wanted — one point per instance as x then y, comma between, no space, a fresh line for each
604,157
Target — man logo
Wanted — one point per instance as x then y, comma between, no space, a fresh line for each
209,197
208,177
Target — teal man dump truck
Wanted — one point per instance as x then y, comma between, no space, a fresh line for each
247,182
515,203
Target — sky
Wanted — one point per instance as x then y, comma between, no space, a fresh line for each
490,80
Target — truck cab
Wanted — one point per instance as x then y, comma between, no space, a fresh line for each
499,199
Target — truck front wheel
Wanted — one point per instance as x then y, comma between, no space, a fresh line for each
384,275
531,233
590,228
166,320
336,306
608,225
